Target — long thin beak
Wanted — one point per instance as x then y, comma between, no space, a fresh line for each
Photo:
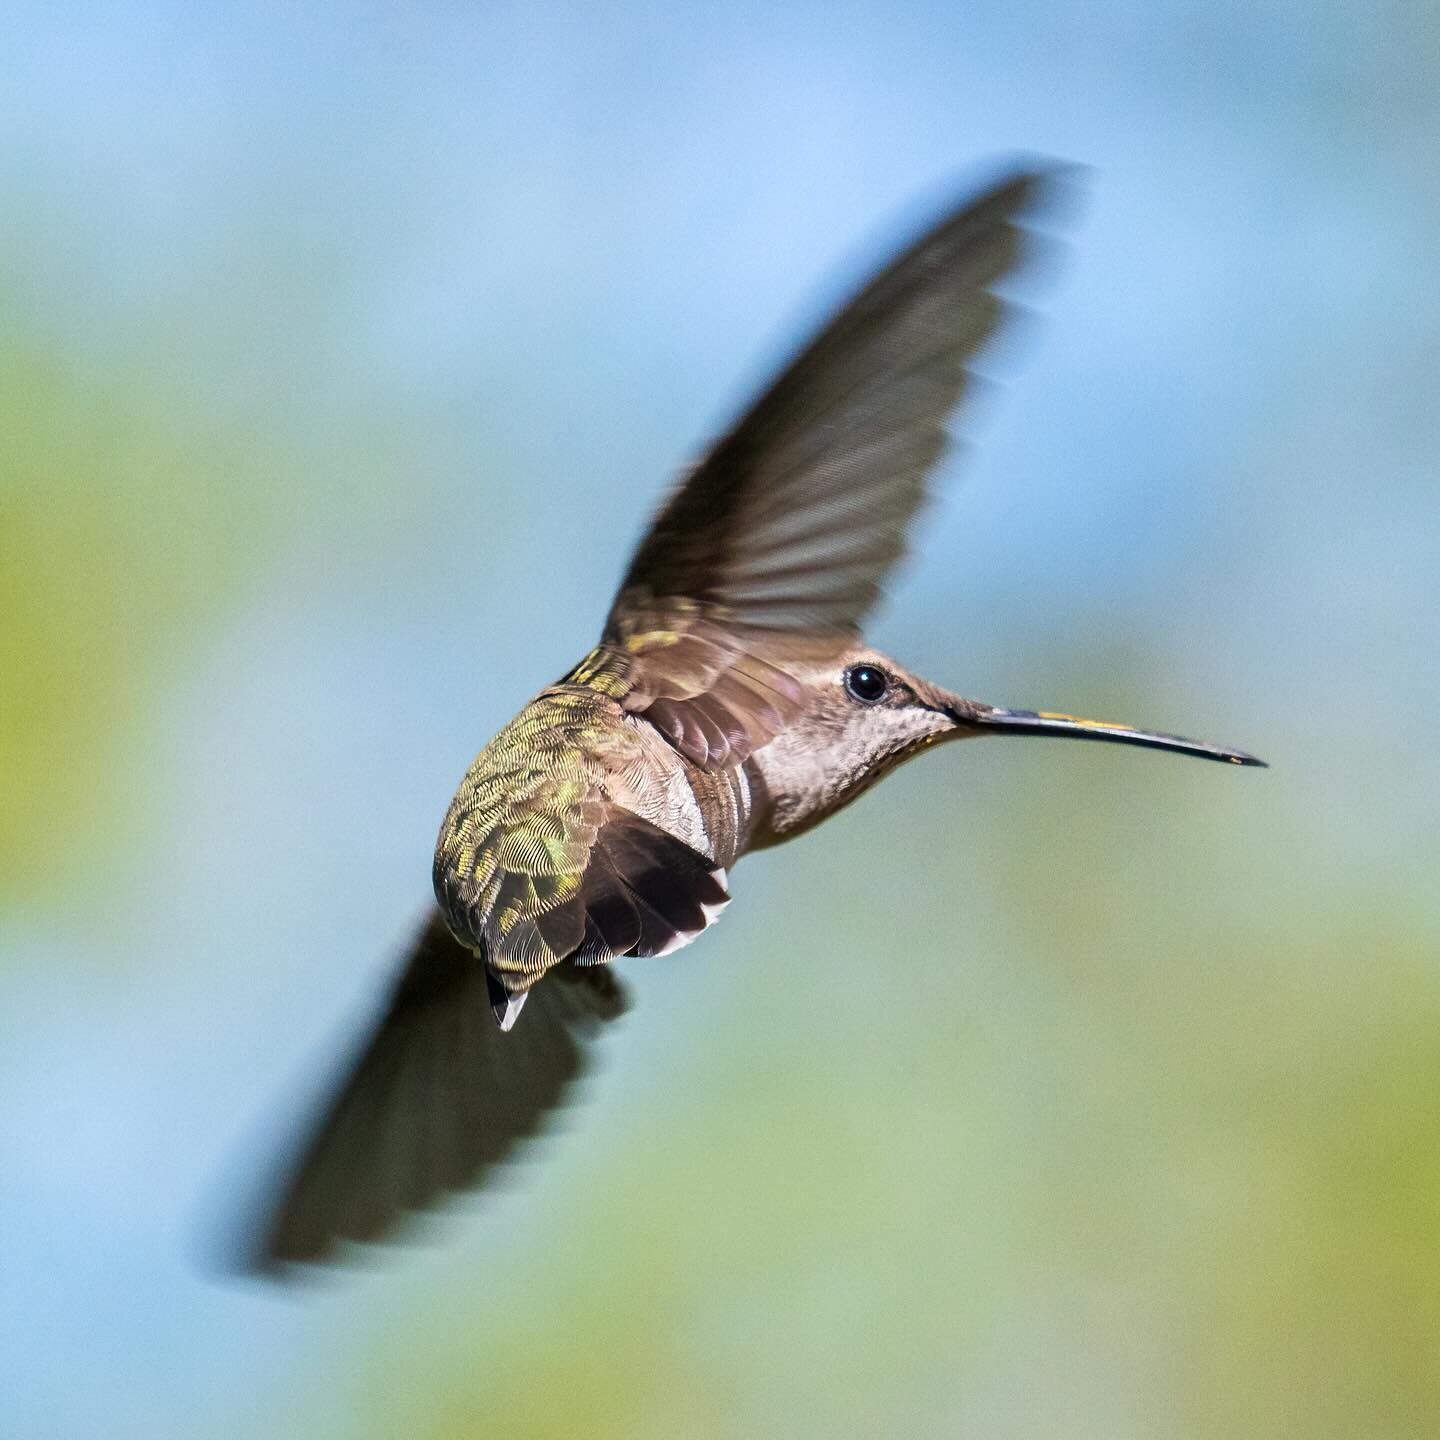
1046,722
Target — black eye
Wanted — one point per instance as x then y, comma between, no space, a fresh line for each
867,683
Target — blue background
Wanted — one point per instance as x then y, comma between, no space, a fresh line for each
1051,1091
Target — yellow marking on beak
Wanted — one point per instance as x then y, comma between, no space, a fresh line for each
1081,720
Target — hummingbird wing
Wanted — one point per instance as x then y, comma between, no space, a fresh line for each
435,1100
788,526
540,876
536,863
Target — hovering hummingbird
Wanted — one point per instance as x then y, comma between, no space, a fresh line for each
730,704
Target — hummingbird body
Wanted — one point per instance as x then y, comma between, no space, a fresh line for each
588,758
731,703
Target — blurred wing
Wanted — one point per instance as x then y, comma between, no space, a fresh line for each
438,1096
536,865
795,516
792,521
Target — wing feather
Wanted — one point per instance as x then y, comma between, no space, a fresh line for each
434,1100
836,450
789,525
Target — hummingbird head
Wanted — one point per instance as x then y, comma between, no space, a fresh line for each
865,714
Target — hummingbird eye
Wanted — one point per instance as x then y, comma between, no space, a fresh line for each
867,683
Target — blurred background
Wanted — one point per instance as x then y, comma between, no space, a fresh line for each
343,356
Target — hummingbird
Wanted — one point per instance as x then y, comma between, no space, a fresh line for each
730,704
